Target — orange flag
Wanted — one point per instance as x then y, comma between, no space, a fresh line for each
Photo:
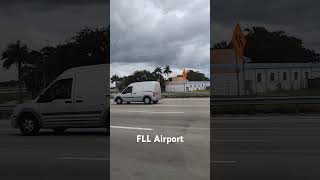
239,41
184,74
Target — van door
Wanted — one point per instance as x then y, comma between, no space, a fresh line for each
127,95
55,103
90,97
138,92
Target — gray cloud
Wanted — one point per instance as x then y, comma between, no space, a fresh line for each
296,17
160,32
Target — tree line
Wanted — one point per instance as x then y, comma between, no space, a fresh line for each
264,46
143,75
158,74
37,68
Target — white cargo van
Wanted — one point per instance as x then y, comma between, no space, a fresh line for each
147,92
78,98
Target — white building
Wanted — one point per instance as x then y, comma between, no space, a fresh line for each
258,78
178,84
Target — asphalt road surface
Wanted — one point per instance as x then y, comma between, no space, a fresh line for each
265,147
77,154
160,161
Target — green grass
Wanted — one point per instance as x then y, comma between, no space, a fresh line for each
205,90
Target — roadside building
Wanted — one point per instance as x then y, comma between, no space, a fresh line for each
179,84
233,77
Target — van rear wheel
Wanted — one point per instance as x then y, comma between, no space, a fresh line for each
147,100
119,101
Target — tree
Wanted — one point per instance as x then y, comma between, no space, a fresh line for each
196,76
15,54
32,72
158,71
39,68
139,76
115,78
276,47
222,45
87,47
167,71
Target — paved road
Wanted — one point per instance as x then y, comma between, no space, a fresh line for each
84,154
265,147
157,161
77,154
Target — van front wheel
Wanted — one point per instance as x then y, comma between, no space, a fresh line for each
29,126
147,100
119,101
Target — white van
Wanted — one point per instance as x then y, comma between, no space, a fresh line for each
78,98
147,92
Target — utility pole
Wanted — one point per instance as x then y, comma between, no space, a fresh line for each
238,81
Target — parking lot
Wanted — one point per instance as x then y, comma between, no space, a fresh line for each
172,117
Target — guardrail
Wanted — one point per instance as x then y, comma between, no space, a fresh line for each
237,101
6,108
251,104
265,100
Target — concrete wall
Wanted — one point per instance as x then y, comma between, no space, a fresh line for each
283,79
187,86
227,84
271,78
175,88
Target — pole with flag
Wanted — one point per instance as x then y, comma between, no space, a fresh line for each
239,43
184,76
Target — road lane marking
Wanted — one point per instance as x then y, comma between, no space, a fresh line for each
83,159
182,128
239,140
257,118
224,162
255,129
158,112
167,112
131,128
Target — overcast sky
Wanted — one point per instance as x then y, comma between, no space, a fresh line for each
150,33
299,18
38,23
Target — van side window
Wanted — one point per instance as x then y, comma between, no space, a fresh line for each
127,90
59,90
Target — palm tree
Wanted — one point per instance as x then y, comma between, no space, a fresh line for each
32,72
115,78
158,71
167,71
15,54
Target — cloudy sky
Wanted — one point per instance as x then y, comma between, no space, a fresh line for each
38,23
297,17
150,33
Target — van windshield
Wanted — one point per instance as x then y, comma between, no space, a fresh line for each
127,90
